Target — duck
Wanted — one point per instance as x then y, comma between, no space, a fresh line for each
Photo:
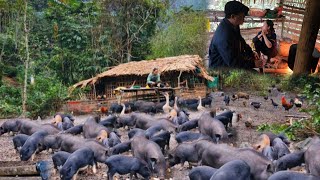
200,107
166,107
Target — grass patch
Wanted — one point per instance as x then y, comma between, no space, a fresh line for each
239,79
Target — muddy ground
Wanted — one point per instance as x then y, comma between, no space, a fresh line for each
266,114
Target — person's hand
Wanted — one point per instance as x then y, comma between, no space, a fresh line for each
256,55
264,32
258,63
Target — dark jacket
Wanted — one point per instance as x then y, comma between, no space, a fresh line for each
262,47
229,49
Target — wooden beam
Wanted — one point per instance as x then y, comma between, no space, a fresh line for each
27,170
293,10
308,36
294,7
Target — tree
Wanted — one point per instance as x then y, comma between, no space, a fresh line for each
26,62
308,37
130,26
184,33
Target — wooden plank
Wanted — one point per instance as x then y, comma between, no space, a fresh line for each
293,10
292,30
294,7
291,15
18,170
294,21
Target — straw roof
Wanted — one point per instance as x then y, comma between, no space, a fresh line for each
185,63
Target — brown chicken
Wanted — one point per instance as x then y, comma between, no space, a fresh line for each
285,104
104,110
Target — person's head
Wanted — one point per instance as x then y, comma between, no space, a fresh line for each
235,12
268,26
155,71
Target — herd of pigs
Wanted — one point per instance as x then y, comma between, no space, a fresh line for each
202,142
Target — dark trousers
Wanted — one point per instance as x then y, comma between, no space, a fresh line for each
262,48
292,57
159,84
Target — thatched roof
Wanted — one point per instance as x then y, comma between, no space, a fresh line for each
185,63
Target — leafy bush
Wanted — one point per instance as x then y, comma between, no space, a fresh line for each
185,33
298,83
9,101
46,96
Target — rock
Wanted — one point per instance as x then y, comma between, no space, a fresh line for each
245,145
303,145
217,94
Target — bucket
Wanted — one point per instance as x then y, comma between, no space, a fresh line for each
214,83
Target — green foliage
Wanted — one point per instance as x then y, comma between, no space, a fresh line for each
298,83
277,129
184,33
46,96
130,25
10,98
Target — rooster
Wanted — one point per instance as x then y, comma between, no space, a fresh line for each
104,110
285,104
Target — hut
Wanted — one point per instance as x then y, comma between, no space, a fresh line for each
186,73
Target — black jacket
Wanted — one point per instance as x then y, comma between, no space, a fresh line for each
229,49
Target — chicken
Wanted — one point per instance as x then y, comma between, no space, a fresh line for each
297,103
244,103
275,105
249,123
242,95
104,110
256,105
226,100
234,97
265,98
285,104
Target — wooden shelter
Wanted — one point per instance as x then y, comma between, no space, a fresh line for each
189,68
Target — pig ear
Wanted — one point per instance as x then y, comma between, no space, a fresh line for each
270,168
258,147
153,162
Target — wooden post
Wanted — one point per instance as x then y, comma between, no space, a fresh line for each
179,78
308,36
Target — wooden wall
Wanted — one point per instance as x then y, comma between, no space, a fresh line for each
108,85
293,10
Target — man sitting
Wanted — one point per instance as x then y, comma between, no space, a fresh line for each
228,48
153,79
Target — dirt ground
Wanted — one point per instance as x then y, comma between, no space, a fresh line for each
266,114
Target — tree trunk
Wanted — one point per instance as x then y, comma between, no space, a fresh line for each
308,36
26,62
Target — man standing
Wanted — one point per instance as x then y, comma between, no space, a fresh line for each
228,48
